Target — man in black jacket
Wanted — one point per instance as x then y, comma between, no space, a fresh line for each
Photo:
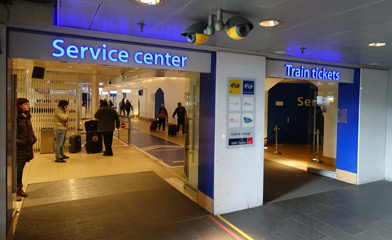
181,114
107,118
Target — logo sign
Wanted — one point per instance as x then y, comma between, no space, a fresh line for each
249,87
122,125
234,86
95,138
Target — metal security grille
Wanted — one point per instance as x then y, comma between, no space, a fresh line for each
44,96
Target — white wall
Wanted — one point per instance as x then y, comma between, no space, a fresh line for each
173,88
238,174
372,125
388,145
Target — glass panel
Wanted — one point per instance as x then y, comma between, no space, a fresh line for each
301,123
325,115
191,165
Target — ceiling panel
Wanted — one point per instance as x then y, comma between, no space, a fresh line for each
330,30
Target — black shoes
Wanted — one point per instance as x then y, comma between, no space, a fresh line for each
64,157
60,160
107,154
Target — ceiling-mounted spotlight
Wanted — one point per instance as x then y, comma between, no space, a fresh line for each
195,33
210,30
219,25
238,27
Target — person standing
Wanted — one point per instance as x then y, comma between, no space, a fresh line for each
107,121
128,107
110,103
162,117
61,125
25,139
181,114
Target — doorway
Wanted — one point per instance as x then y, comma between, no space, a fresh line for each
300,129
75,82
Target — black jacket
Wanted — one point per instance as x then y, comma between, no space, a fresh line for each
25,139
107,117
181,113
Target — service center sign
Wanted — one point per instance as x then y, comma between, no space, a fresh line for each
240,112
79,50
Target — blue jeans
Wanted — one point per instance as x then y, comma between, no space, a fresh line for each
60,140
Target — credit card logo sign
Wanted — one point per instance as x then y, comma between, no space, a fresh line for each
249,87
234,86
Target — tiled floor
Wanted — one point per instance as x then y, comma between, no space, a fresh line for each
352,212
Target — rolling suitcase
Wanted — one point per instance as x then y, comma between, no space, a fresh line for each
75,144
172,130
93,142
91,125
154,125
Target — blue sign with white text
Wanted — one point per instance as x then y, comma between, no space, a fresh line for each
248,87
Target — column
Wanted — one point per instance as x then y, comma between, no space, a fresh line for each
94,94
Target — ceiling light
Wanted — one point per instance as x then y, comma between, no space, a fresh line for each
280,52
148,2
377,44
270,23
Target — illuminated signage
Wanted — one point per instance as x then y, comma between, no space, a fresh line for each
104,53
315,73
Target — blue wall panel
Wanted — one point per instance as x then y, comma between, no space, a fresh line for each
159,100
294,121
347,133
207,130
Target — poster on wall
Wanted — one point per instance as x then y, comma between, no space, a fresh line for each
240,112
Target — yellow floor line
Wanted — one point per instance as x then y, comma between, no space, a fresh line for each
235,228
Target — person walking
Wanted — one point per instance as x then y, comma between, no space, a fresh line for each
122,106
181,114
61,125
128,107
162,117
107,121
25,139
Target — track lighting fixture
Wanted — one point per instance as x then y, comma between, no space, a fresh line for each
236,28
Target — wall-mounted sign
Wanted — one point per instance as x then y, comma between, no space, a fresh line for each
51,47
302,71
240,112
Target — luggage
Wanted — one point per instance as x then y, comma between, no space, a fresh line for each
91,125
75,143
154,125
172,130
93,142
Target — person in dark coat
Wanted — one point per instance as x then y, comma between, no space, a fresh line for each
128,107
122,106
181,114
162,117
107,121
25,140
